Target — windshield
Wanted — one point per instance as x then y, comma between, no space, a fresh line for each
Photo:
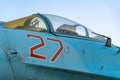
68,27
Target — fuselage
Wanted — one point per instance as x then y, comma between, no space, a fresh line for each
34,53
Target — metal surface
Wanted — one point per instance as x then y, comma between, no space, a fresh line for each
33,55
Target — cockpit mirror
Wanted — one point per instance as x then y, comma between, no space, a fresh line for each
108,42
108,39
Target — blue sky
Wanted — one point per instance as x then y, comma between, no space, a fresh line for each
102,16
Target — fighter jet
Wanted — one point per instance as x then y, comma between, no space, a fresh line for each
49,47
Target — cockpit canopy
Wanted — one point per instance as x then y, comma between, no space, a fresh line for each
68,27
59,25
32,23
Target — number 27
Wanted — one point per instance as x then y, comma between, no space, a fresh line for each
41,44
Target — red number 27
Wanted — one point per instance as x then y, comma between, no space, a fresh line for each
41,44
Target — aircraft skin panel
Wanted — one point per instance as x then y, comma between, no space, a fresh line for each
82,59
6,70
47,73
